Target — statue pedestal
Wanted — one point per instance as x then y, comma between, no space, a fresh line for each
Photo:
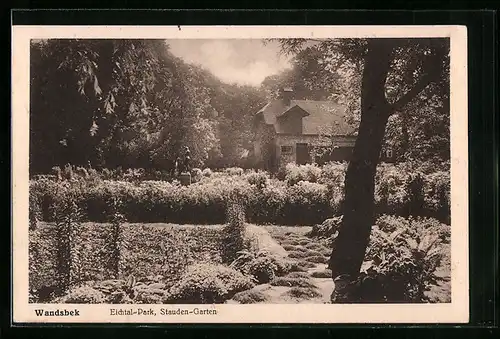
185,178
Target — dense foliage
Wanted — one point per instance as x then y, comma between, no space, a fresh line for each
307,195
400,261
131,103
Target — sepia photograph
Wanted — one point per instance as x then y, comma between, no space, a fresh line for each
209,171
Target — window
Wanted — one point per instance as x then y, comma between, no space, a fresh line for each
286,149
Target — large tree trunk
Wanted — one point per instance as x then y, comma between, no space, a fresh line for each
354,233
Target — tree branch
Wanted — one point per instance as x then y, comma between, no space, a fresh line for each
422,83
434,72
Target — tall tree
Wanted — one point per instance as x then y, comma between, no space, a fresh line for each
83,97
395,72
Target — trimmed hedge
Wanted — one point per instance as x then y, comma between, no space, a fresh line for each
399,190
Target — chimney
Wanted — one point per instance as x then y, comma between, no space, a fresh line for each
286,95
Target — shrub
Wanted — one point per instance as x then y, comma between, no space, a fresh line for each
307,202
114,243
250,297
322,274
83,295
297,173
310,200
402,267
68,172
56,170
233,234
289,247
67,216
391,223
306,264
292,282
207,172
415,200
297,254
327,229
298,275
35,213
303,293
196,174
295,266
234,171
437,194
263,266
315,247
258,179
317,259
303,242
208,284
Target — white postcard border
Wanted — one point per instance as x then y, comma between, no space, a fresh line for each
455,312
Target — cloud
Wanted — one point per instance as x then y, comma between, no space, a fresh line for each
241,61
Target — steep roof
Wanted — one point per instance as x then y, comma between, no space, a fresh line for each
320,115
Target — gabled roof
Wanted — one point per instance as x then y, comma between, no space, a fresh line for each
320,115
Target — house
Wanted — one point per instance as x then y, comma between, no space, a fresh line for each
288,130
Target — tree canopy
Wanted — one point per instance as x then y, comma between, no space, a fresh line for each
131,103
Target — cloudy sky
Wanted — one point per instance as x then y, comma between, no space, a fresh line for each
242,61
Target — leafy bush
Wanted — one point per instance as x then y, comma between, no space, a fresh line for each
402,266
67,216
114,244
196,174
289,247
292,282
262,266
298,267
298,275
303,293
258,179
297,173
68,172
35,213
234,171
306,264
317,259
207,172
250,297
310,195
83,295
414,197
327,229
327,273
208,284
129,291
233,234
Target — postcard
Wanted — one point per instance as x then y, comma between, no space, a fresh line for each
240,174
